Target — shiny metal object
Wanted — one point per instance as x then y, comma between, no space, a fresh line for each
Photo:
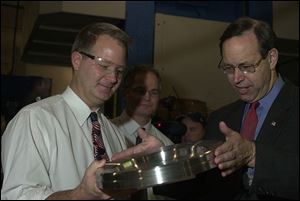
170,164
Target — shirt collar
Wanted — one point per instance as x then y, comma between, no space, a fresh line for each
131,125
80,109
268,100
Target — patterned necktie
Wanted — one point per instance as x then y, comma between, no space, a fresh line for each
99,149
138,139
250,122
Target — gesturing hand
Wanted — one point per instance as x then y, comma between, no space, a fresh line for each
149,145
235,152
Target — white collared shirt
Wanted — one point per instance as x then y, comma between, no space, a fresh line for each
48,146
129,128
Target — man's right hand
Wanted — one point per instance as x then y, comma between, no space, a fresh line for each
235,152
87,189
149,145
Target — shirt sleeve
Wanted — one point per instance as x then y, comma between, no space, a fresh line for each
25,159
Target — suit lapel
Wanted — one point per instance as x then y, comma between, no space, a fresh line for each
238,117
274,121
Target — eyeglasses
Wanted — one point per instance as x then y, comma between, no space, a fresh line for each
105,65
245,68
141,91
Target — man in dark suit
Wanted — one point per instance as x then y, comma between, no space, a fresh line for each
269,160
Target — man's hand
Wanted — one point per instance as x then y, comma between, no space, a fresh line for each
235,152
149,145
87,189
88,184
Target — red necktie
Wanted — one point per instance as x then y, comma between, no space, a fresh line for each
99,149
250,122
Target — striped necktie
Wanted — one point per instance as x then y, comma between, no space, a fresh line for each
99,149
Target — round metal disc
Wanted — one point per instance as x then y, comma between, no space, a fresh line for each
171,164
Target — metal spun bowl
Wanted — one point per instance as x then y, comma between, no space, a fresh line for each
171,164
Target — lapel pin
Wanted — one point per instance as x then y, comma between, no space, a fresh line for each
273,123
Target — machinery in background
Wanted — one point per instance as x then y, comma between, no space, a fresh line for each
174,130
169,109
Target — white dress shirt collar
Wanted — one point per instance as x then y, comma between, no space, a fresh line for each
131,125
80,109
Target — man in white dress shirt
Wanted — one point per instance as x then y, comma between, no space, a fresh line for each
47,149
141,88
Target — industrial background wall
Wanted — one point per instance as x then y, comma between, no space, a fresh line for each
180,43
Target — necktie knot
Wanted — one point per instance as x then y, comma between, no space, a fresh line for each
94,116
254,105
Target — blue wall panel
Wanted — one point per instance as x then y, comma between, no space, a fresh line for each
140,17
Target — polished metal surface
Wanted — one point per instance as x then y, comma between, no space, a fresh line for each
171,164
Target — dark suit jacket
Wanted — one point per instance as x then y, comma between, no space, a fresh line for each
277,145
